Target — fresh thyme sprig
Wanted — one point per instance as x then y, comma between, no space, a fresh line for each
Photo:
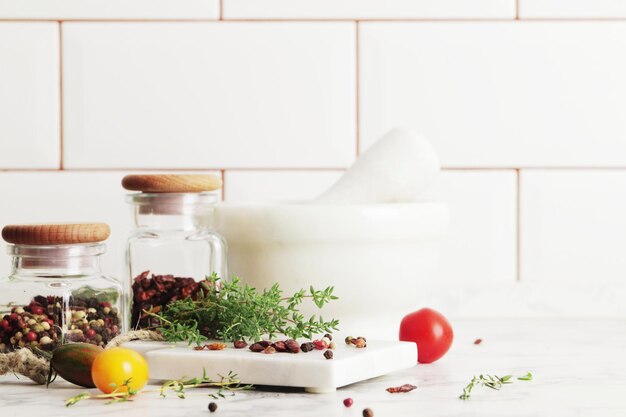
491,381
120,394
229,383
231,310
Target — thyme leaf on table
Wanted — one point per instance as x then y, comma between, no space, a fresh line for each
490,381
225,384
231,310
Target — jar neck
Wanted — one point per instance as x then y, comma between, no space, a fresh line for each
56,260
173,211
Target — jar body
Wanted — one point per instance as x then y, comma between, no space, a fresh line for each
52,298
171,250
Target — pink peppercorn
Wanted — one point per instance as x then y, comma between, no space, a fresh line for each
38,310
320,344
4,324
348,402
90,333
31,336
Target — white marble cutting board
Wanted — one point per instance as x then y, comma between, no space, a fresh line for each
310,370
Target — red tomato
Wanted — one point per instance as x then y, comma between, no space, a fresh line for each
430,330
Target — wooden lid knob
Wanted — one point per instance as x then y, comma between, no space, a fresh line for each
55,234
166,183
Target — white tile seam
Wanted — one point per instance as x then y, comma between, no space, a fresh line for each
61,144
357,64
352,20
288,169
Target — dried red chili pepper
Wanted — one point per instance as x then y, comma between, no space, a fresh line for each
401,388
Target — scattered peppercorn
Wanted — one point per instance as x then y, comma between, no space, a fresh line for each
212,407
292,346
478,341
348,402
269,350
239,344
368,412
320,344
332,345
279,346
328,354
307,347
359,342
256,347
329,336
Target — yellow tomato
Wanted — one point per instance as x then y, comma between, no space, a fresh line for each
119,368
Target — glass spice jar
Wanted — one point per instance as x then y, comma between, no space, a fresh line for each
56,292
173,246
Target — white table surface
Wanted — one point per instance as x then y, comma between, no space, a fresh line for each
579,368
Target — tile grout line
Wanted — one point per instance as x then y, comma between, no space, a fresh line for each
517,9
61,132
316,169
221,10
357,56
518,231
322,20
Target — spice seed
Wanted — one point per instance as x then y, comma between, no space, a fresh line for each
478,341
368,412
212,407
328,354
240,344
348,402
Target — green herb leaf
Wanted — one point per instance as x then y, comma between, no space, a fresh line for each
490,381
230,310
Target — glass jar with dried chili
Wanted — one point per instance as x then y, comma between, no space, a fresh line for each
173,246
56,291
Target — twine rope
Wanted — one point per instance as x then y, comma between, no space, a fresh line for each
25,362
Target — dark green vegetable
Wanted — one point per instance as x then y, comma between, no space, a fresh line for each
72,362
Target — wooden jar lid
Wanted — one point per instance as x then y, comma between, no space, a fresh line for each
55,234
167,183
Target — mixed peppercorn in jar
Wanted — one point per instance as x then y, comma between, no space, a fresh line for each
56,292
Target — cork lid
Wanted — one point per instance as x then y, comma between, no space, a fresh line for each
55,234
169,183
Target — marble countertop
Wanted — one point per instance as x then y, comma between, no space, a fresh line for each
579,369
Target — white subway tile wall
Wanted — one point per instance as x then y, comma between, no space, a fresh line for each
523,99
109,9
494,94
199,95
29,95
368,9
572,9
